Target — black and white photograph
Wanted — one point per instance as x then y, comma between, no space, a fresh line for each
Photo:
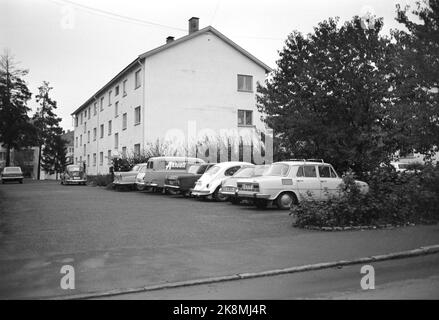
219,155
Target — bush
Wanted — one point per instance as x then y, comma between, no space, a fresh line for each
101,180
394,198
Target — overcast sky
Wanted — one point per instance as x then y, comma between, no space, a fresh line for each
80,45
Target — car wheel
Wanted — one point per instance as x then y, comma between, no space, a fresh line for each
285,200
260,203
217,196
173,192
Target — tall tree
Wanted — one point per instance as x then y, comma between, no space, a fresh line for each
46,122
15,129
54,156
328,96
416,67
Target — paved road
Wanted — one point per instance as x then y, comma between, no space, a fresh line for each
411,278
131,239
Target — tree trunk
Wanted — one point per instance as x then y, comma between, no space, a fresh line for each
39,163
8,155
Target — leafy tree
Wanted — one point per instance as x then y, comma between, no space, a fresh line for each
54,156
416,67
15,129
48,129
329,95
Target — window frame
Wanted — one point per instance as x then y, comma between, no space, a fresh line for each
245,76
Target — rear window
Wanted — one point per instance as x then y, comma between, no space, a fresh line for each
213,170
279,169
13,170
244,173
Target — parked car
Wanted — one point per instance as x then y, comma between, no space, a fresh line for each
184,182
209,184
153,176
401,167
289,182
73,174
128,178
12,174
229,187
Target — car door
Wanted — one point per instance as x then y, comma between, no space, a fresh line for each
308,183
329,181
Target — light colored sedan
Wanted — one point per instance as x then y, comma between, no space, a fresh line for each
12,174
128,178
229,187
209,184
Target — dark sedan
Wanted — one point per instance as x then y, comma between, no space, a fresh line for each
12,174
184,182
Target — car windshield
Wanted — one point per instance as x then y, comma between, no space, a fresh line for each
278,169
193,169
13,170
213,170
244,173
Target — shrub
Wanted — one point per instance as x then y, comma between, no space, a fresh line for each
101,180
394,198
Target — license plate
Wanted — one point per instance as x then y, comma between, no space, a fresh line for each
247,187
229,189
76,178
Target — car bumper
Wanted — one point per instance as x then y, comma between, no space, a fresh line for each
171,186
252,195
12,178
72,181
123,183
228,193
201,193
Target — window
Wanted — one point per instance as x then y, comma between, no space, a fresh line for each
102,131
109,157
101,158
109,97
116,109
89,112
245,118
76,142
124,152
95,108
137,149
124,87
279,169
137,80
327,172
137,115
85,113
80,160
80,139
109,128
231,171
2,156
124,121
88,136
85,127
102,103
76,121
245,83
116,141
307,171
116,91
81,116
85,150
88,160
94,159
94,134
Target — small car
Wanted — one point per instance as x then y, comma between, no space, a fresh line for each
12,174
184,182
127,178
152,177
289,182
73,174
209,184
229,187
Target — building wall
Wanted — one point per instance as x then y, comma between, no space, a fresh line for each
194,84
127,138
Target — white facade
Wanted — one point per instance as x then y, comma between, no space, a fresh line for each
186,90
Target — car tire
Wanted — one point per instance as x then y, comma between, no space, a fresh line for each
285,200
173,192
260,203
217,196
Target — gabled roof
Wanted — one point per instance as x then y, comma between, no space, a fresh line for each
170,45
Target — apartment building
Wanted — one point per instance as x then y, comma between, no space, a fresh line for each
193,87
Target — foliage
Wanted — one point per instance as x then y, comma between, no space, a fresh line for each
416,72
15,129
48,138
394,198
100,180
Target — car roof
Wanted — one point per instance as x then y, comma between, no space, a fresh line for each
234,163
177,159
298,162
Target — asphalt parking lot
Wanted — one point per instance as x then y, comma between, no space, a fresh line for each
117,239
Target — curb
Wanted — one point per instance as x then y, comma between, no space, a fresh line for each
240,276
